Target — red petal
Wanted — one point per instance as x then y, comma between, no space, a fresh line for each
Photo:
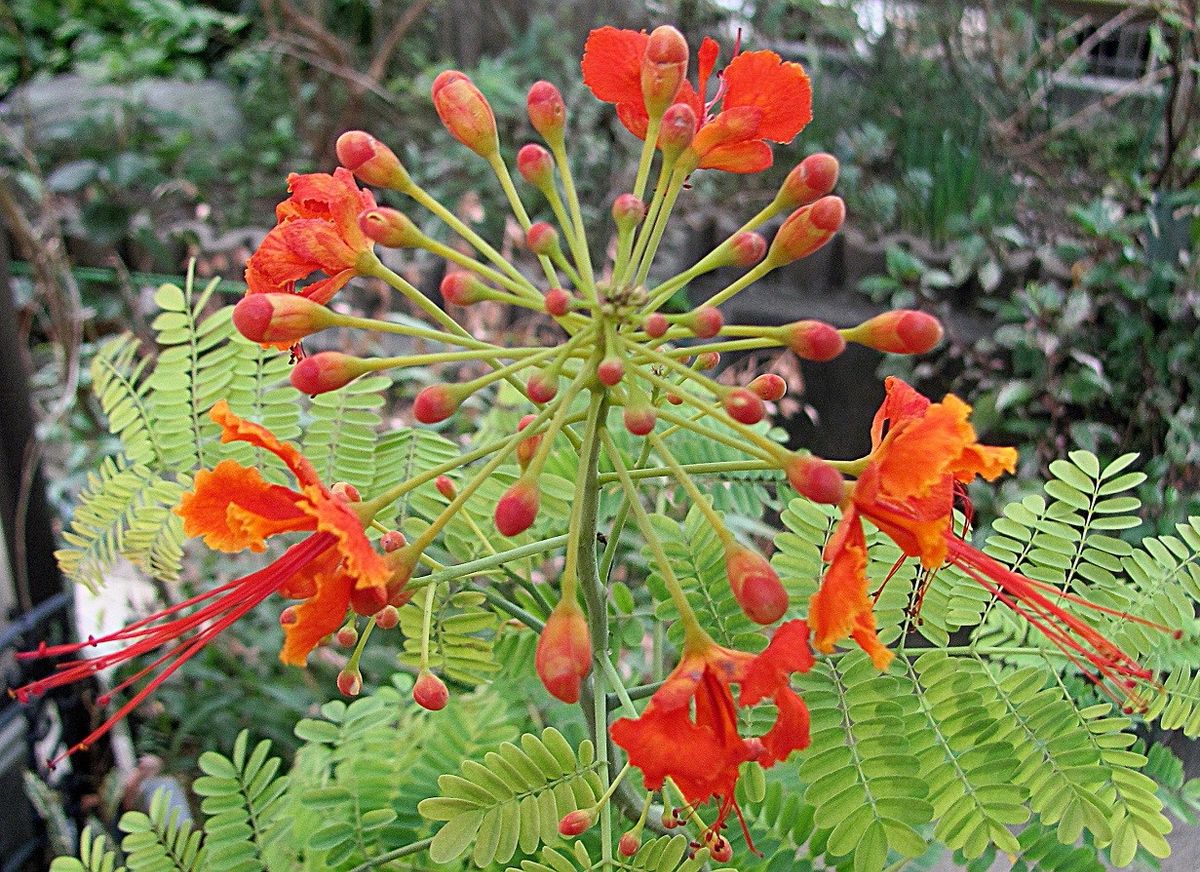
319,244
901,404
634,117
707,57
841,607
790,731
665,744
612,64
772,669
781,89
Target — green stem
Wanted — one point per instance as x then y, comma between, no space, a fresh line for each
398,853
701,501
678,177
714,468
426,625
647,156
377,326
583,257
500,168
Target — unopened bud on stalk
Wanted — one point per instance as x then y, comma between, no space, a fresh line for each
542,239
806,230
664,67
655,325
564,652
518,508
541,387
677,131
755,585
370,160
629,844
903,331
674,399
816,479
445,486
436,403
429,692
463,289
705,322
346,636
547,112
744,406
813,340
390,228
280,319
387,617
392,540
558,302
346,492
526,448
536,166
812,178
640,419
769,386
746,249
465,112
708,360
288,616
576,822
349,682
628,212
328,371
719,848
610,371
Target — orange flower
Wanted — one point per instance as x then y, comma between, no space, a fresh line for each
234,508
921,453
317,231
762,97
701,754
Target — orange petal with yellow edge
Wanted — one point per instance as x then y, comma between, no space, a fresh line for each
234,508
841,607
238,429
317,617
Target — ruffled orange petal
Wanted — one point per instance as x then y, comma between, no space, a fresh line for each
741,157
237,429
984,460
771,670
234,508
841,607
780,89
360,560
902,403
612,65
916,456
319,244
323,290
789,732
317,617
275,267
733,126
666,743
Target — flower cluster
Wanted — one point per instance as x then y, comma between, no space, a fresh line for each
621,356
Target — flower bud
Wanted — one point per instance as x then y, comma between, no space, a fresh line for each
370,160
628,212
349,682
558,302
346,636
564,652
280,319
327,371
640,420
288,616
610,371
541,387
629,844
536,166
755,585
902,331
816,479
708,360
462,289
747,249
705,322
542,239
526,448
674,399
813,340
668,820
429,692
391,228
812,178
663,68
744,406
517,509
806,230
678,129
769,386
346,492
436,403
465,112
392,540
387,617
719,849
547,112
655,325
445,487
576,822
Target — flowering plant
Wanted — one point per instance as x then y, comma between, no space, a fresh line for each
614,404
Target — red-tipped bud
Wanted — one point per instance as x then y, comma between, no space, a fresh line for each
768,386
668,820
392,540
349,682
541,387
744,406
463,289
526,448
902,331
564,652
288,616
816,479
542,239
547,112
655,325
436,403
747,249
346,492
640,420
576,822
629,844
346,636
558,302
610,371
719,849
429,692
678,129
280,319
370,160
813,340
465,112
755,585
366,601
517,509
813,178
663,68
535,165
445,487
708,360
628,212
806,230
706,322
391,228
387,617
674,399
327,371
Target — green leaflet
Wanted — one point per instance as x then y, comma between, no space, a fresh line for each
664,854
